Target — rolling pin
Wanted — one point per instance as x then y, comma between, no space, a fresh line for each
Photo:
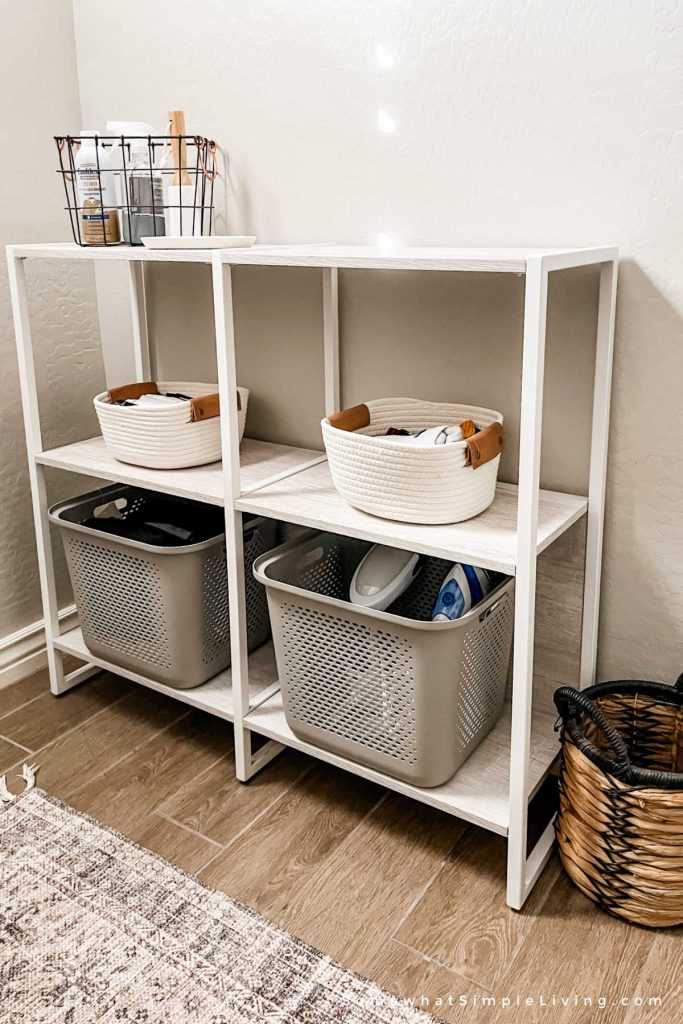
181,214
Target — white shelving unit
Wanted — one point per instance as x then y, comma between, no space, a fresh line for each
495,785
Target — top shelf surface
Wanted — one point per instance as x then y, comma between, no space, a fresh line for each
510,261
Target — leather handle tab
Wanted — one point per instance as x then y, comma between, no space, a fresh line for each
350,419
485,445
127,391
206,407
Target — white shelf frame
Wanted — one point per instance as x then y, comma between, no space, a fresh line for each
257,710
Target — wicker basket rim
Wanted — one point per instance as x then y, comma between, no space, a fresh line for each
573,704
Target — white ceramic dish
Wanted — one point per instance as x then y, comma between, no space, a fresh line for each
199,242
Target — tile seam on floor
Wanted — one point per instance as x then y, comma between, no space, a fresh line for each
15,744
190,831
336,848
25,704
193,780
523,937
430,881
118,761
445,967
72,728
242,831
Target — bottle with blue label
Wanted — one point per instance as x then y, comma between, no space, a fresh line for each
96,190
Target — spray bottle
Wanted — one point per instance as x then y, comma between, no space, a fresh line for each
96,190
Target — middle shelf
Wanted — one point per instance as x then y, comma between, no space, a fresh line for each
489,540
307,496
260,461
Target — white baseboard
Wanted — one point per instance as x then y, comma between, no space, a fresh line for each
24,652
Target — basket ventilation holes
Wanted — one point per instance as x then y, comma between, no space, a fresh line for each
105,579
355,682
484,661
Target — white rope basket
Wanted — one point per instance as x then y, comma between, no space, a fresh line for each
414,484
166,436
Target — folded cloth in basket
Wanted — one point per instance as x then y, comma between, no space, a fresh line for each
434,435
136,527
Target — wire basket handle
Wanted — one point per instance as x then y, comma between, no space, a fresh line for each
61,143
212,150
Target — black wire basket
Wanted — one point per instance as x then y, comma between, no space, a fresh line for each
123,188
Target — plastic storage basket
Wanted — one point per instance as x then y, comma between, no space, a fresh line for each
159,611
165,436
620,824
392,690
439,484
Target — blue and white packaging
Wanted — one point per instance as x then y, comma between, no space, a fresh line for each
463,588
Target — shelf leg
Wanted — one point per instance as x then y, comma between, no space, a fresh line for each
533,361
598,470
331,340
138,300
34,446
234,541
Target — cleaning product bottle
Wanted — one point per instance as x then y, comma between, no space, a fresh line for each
96,191
143,189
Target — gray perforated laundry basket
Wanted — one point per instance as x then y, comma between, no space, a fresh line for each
392,690
159,611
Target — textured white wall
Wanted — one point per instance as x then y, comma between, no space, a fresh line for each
516,122
39,98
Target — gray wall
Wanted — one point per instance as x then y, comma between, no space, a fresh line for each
39,98
516,123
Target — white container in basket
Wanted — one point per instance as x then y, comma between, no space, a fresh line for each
413,483
172,436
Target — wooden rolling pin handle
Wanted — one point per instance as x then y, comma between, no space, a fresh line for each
178,147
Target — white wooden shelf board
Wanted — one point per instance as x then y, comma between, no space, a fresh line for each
367,257
477,793
489,260
214,696
490,540
260,462
71,251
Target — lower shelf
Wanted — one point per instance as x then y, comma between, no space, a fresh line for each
477,793
214,696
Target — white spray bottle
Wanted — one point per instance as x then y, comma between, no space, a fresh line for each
96,190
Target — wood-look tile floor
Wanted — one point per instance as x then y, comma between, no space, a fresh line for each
405,895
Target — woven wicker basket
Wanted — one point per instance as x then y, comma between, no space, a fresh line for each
413,484
165,436
620,823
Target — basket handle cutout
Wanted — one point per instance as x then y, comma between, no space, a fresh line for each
351,419
484,446
571,703
128,391
206,407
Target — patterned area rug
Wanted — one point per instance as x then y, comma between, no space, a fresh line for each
96,929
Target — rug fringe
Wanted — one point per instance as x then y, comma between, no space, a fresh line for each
28,774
